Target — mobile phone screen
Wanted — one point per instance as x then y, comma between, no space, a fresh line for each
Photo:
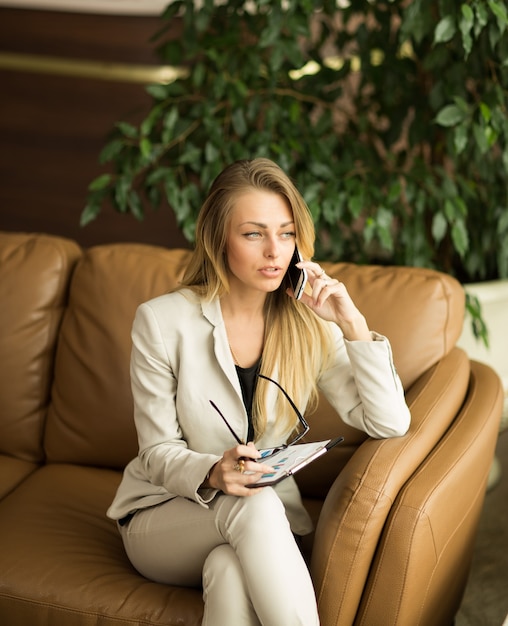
297,276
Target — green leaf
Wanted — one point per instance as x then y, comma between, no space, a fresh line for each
198,74
145,145
158,175
320,170
439,227
461,207
460,137
460,237
111,150
479,327
127,129
384,221
501,13
90,212
100,182
158,92
356,205
121,195
270,34
485,111
449,115
482,17
394,192
467,14
192,155
151,120
211,152
239,124
481,137
169,124
449,210
445,30
466,24
172,193
135,205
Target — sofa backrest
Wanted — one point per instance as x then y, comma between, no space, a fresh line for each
420,310
35,272
90,417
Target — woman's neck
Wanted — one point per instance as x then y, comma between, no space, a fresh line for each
245,329
244,308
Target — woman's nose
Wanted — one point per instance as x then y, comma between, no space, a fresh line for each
272,248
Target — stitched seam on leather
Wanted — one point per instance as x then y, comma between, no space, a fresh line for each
63,609
479,491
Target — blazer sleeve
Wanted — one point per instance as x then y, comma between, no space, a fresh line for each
363,386
164,455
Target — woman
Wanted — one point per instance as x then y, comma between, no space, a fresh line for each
185,510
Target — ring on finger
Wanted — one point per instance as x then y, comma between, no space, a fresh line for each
239,466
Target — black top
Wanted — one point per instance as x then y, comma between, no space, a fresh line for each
248,379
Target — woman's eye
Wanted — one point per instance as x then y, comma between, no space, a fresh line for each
252,235
289,235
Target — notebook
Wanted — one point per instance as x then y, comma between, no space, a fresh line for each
292,459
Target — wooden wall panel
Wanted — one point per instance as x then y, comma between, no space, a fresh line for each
52,127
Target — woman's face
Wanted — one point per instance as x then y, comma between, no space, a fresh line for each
260,241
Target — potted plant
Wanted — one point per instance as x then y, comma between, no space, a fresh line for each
391,117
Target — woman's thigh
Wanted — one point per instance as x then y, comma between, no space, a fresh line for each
169,543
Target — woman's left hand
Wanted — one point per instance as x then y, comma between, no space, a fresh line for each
331,301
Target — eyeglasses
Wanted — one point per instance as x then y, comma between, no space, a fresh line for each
265,454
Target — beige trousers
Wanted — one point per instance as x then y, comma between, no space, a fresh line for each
241,550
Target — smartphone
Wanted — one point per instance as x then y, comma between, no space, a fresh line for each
297,276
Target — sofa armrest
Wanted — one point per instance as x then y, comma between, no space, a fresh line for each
358,504
429,537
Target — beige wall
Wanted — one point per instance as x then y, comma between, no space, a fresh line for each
119,7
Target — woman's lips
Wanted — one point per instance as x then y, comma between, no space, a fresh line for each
271,272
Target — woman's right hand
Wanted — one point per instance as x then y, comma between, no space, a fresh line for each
236,469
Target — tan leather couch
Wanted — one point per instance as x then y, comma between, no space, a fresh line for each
396,519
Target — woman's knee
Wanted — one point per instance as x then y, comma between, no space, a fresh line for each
264,505
222,560
250,518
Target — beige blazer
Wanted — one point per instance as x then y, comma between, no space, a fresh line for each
181,360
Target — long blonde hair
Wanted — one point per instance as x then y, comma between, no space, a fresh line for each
297,342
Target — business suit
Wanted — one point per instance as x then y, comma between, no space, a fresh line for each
181,360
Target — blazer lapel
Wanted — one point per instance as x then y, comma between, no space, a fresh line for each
212,312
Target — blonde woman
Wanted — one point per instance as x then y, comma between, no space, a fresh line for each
185,511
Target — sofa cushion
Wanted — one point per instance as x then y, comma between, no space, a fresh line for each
420,310
12,472
62,561
90,418
34,277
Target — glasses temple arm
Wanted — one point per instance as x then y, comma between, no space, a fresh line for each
293,405
226,422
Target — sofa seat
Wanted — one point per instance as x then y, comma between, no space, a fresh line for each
65,561
12,472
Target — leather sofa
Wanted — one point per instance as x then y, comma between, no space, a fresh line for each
395,519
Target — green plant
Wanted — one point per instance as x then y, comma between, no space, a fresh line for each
391,117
